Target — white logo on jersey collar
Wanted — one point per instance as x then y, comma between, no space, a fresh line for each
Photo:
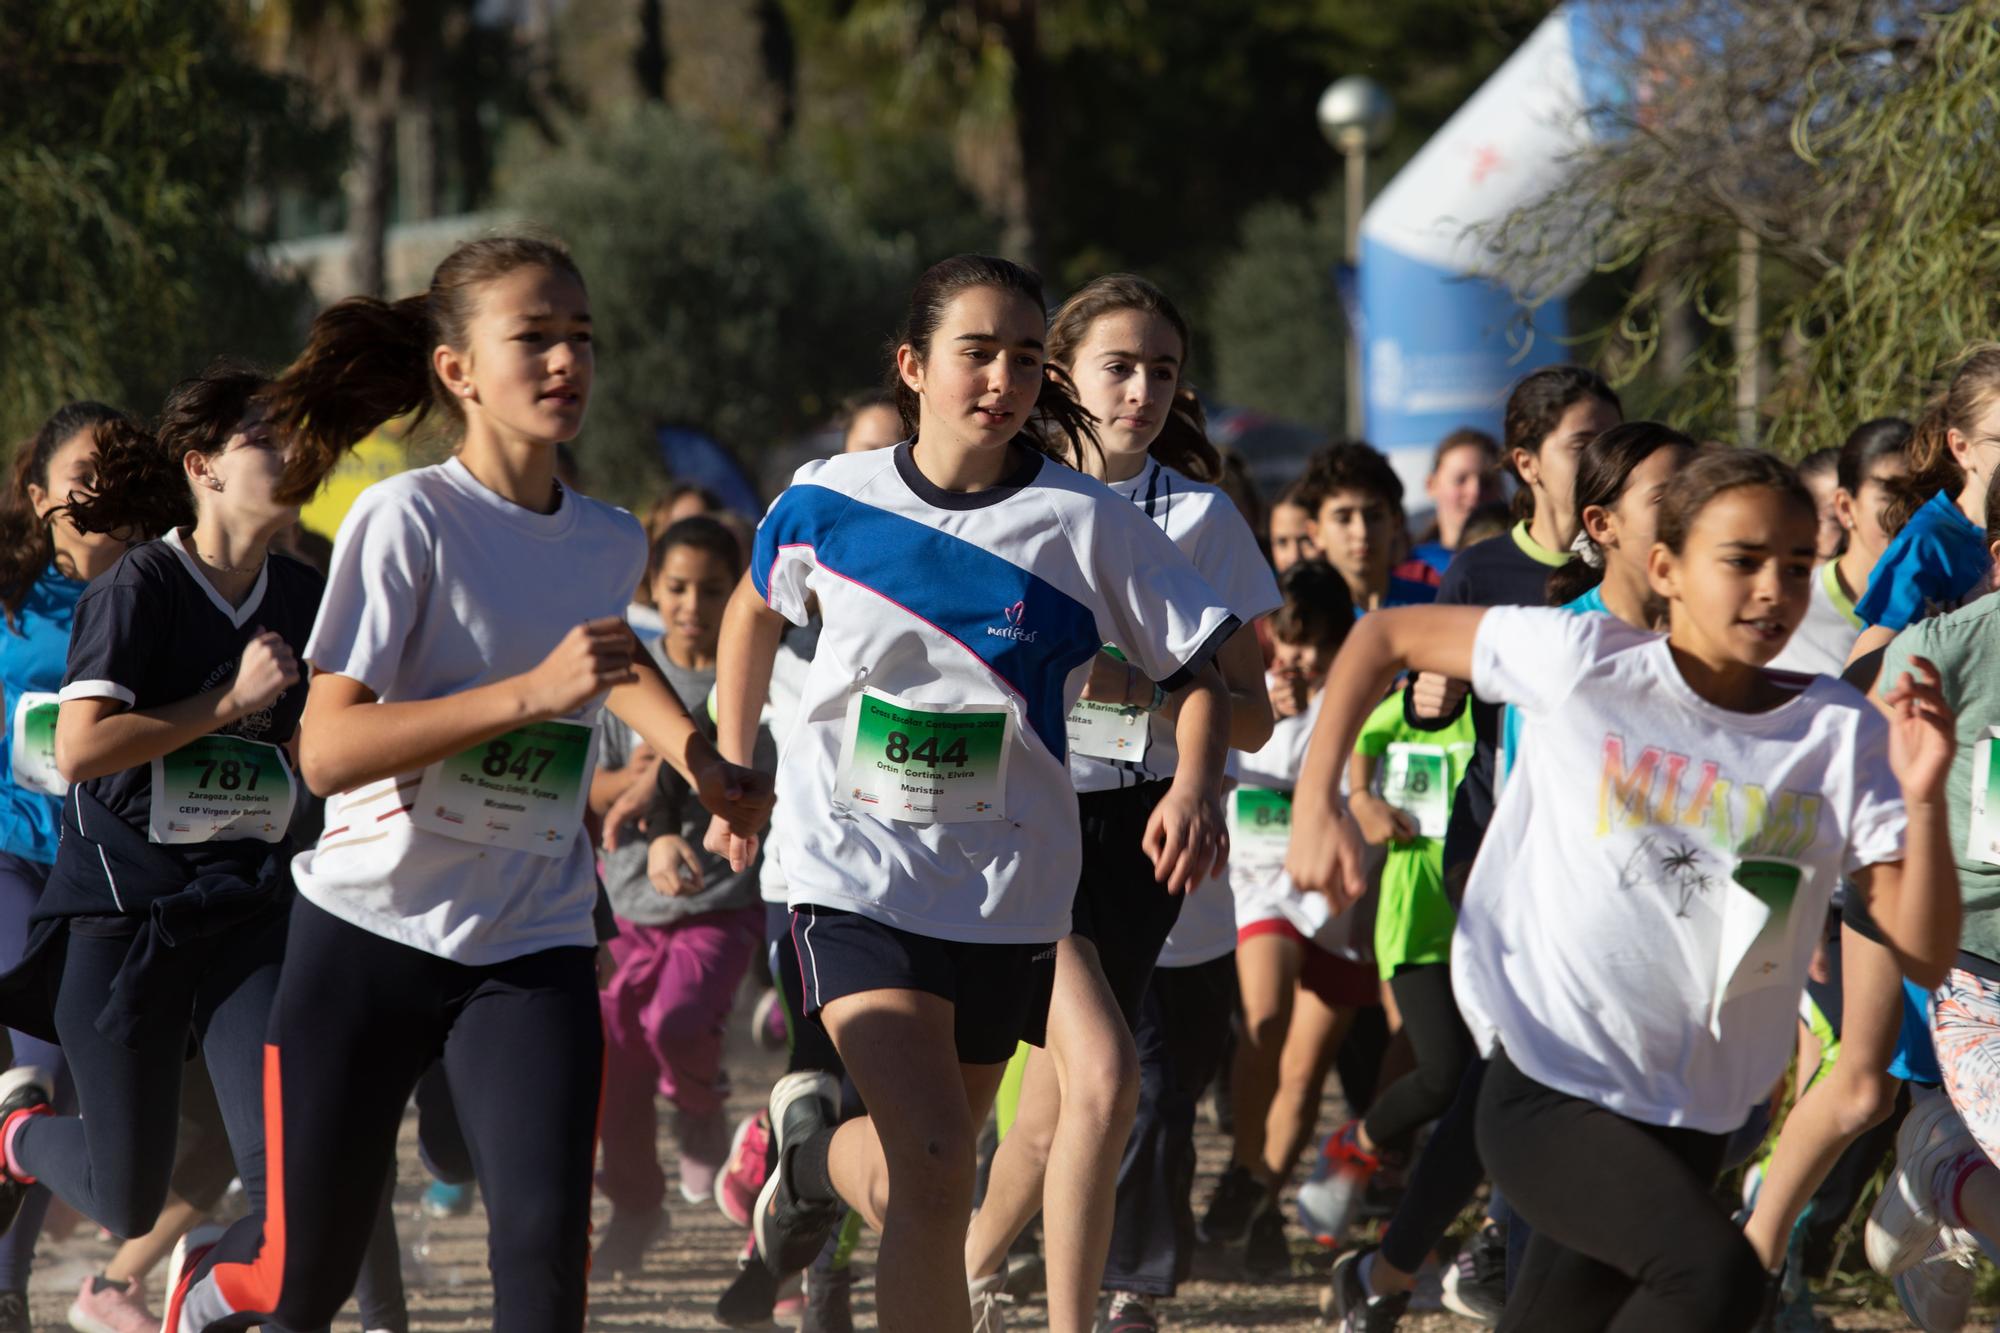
1012,629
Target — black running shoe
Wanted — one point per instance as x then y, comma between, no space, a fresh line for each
790,1230
1267,1252
1353,1308
23,1088
1475,1283
749,1300
1239,1197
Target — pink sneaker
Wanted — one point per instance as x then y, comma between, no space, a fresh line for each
111,1310
742,1174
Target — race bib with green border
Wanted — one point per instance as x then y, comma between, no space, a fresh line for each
924,764
524,791
33,752
221,789
1415,780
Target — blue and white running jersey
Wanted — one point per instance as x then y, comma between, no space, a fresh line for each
1204,522
999,598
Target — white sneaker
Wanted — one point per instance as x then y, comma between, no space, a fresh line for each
989,1299
1936,1291
1904,1221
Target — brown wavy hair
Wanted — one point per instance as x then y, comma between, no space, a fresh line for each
1974,387
1059,426
1183,442
140,488
368,361
27,544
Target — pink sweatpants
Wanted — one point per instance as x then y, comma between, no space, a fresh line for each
664,1012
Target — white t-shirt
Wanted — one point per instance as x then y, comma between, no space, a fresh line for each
1253,886
1821,643
996,600
1204,522
1596,937
439,585
788,678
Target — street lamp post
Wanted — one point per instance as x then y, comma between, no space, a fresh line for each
1355,116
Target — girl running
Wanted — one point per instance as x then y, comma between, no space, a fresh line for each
688,927
1938,510
1869,466
1621,478
966,584
471,628
1124,346
166,907
1671,917
45,561
1283,971
1944,1196
1884,1022
1464,475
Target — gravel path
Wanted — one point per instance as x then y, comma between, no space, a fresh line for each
688,1268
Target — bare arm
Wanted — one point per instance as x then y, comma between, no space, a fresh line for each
1325,854
350,739
1241,661
1185,835
749,644
1917,903
99,736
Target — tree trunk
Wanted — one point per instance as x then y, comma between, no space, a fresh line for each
649,58
371,175
1024,211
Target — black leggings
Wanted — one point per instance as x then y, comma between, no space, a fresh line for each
1629,1237
358,1019
1442,1047
114,1160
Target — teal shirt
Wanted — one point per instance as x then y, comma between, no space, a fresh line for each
1965,645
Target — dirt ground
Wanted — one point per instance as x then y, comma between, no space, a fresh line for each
445,1265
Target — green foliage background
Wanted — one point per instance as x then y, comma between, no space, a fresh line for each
127,131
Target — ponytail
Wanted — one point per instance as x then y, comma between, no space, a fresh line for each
367,362
26,544
1974,386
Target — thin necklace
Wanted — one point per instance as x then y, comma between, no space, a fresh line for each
220,567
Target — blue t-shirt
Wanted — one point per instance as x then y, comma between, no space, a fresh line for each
32,654
1935,564
1402,592
1435,554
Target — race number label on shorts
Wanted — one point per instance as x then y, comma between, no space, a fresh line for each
1982,833
1414,781
924,764
1108,731
221,789
33,753
523,791
1263,817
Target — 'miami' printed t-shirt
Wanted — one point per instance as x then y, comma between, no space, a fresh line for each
1641,941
